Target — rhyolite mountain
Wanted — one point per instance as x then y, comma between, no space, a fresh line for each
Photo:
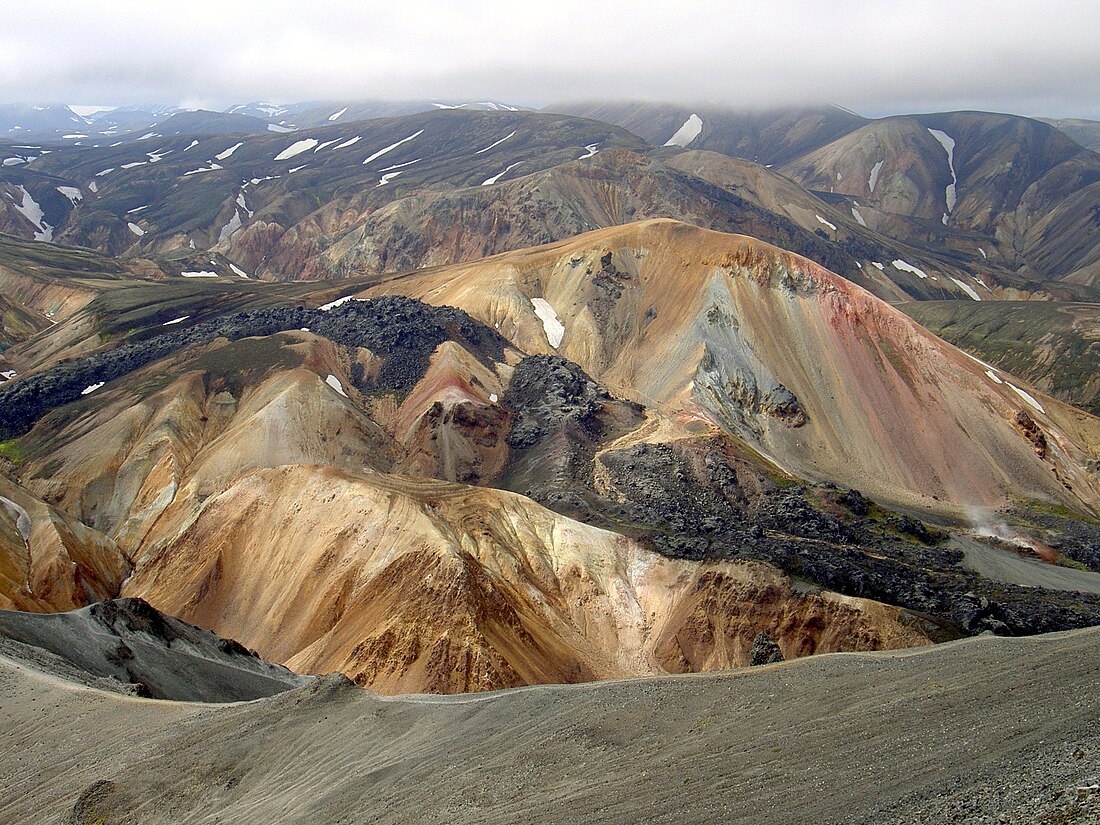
474,397
625,453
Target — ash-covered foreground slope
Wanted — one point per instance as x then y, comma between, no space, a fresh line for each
129,646
997,730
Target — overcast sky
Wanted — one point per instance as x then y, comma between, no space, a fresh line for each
873,56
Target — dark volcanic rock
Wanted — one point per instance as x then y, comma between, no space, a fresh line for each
402,332
130,642
547,393
764,651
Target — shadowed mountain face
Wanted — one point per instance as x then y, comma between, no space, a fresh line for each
627,453
126,645
158,198
995,192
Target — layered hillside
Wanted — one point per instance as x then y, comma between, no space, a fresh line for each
350,198
458,589
1003,198
772,348
196,192
1055,346
49,560
619,455
1000,188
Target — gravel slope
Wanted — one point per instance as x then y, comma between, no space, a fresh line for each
983,730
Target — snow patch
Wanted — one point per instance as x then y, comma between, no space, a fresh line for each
993,377
492,145
240,271
856,214
212,167
590,150
493,397
229,152
192,145
499,175
243,204
349,142
199,274
686,133
30,210
72,193
829,224
1030,399
334,382
904,267
23,521
231,227
872,179
967,288
554,329
179,320
104,172
402,165
91,388
339,302
948,145
336,115
977,360
275,127
386,178
297,148
878,266
137,230
392,146
986,257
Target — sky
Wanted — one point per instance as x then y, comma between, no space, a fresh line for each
873,56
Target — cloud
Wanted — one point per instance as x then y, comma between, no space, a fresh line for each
871,55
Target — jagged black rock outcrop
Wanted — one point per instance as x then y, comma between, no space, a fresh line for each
402,332
548,392
764,651
686,508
